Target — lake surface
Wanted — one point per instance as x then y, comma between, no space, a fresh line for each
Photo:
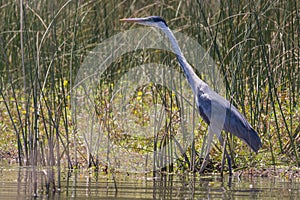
16,183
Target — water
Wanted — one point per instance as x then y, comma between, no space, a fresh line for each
16,183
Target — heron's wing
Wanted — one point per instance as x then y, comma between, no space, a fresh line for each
237,124
221,114
203,102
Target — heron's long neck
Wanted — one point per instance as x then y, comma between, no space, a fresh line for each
190,74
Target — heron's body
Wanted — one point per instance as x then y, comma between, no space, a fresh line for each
235,123
215,110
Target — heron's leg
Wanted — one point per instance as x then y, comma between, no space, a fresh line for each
207,149
226,154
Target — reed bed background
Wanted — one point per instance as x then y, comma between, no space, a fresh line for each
44,43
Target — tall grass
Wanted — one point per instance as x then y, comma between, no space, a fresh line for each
44,43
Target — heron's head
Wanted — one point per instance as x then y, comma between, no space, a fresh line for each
148,21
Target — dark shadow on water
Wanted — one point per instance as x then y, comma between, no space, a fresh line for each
16,182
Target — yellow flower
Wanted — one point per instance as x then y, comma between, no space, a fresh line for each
139,97
65,83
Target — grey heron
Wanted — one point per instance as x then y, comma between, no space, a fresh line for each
208,102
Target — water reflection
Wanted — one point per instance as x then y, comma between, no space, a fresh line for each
17,183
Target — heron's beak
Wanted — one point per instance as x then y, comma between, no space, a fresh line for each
133,20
